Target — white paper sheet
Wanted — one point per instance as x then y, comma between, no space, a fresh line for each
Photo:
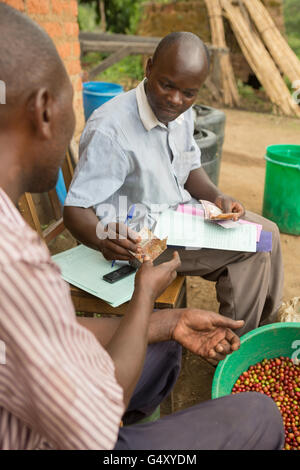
84,268
191,231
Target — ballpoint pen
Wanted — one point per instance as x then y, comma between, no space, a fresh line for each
129,217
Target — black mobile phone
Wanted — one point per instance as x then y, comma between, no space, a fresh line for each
119,274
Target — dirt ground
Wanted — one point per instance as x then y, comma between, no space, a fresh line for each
242,176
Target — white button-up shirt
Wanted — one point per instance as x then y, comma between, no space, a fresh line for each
128,157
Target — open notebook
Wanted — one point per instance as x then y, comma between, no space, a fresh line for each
84,268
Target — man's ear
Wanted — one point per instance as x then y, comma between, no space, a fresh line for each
40,113
149,67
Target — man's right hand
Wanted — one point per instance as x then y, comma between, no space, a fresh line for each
116,241
153,280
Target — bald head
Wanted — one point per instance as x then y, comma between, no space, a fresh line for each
186,41
28,57
37,121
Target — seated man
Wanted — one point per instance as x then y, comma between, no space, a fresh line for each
66,383
139,149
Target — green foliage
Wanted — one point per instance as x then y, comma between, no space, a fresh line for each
294,42
292,16
122,16
292,24
87,16
129,67
245,90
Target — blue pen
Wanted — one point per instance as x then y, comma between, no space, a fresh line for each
129,217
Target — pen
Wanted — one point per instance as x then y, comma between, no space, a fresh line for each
129,217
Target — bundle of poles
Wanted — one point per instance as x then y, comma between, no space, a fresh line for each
263,46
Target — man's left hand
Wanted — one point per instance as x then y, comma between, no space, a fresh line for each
227,204
206,334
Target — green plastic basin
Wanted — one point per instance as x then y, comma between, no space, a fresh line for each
277,339
282,182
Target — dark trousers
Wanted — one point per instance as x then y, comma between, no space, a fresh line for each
243,421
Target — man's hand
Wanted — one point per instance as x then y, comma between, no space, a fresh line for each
227,204
154,280
206,334
116,241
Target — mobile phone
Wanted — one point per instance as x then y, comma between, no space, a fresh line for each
119,274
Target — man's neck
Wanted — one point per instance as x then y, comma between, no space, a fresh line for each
12,174
11,188
11,179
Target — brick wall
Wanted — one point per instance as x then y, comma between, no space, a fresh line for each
59,19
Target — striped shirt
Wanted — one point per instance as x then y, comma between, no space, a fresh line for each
57,383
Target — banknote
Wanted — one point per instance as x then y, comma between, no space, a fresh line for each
151,245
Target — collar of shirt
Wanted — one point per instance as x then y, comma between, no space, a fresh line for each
147,116
8,209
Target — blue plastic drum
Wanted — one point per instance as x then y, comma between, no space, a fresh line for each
97,93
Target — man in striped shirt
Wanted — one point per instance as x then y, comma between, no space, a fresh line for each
65,384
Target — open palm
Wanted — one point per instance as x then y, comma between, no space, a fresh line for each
206,334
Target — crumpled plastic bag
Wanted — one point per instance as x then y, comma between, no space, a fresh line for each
289,311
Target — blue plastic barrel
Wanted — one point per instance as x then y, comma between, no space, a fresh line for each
97,93
61,187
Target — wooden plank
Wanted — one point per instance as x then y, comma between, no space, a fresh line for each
140,44
106,46
137,48
111,60
53,230
173,297
28,211
129,38
68,169
171,294
56,206
88,36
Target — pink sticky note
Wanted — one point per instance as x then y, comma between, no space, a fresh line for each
189,209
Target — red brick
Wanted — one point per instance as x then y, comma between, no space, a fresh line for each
72,29
57,6
74,67
53,29
64,50
17,4
76,49
78,84
38,7
74,7
78,102
61,6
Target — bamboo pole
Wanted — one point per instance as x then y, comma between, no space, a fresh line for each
282,54
230,91
260,61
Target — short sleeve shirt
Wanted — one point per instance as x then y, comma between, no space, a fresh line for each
128,157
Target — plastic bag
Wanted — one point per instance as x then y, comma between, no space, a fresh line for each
289,311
